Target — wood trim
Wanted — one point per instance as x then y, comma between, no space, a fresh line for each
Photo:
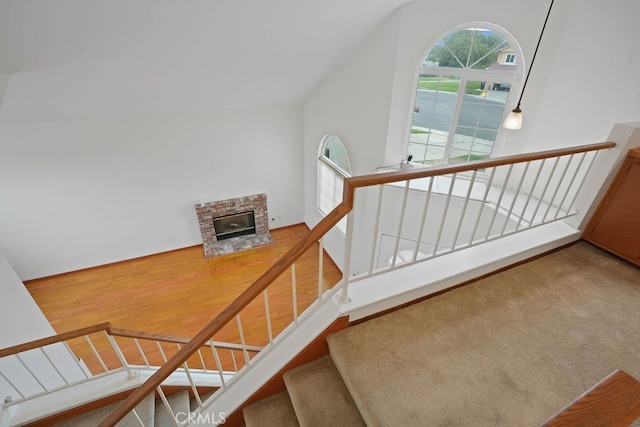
614,222
389,177
634,152
614,401
55,339
127,333
316,349
106,326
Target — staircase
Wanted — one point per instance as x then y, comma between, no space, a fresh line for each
315,395
152,412
510,349
483,213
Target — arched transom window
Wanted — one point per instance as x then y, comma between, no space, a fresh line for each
333,167
463,86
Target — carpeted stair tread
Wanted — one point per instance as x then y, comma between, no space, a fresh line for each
179,403
510,349
275,410
320,397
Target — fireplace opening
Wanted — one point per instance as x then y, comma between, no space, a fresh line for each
234,225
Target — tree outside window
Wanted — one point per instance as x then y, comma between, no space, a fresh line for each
461,94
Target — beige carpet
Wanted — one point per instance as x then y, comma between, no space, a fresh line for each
509,350
320,397
275,410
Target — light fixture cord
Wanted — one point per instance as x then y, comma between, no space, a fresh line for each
535,52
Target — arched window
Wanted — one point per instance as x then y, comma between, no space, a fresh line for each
333,167
463,86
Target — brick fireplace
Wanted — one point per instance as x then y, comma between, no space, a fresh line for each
233,213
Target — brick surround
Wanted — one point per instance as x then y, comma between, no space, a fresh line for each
208,211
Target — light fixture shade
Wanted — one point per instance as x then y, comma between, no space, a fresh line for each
513,120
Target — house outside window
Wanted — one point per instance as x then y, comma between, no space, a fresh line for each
463,86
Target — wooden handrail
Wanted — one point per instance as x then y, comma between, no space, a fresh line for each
403,175
54,339
127,333
309,239
117,332
229,313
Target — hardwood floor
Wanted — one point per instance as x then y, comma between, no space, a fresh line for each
178,292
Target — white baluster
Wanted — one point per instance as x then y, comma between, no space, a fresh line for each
464,209
344,291
320,268
144,357
294,295
555,192
244,345
204,366
165,402
400,224
444,214
32,374
375,247
13,386
529,197
544,191
586,173
196,395
268,316
482,206
53,365
76,360
573,179
95,353
118,352
427,201
216,357
164,357
515,198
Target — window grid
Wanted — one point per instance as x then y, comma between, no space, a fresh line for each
461,96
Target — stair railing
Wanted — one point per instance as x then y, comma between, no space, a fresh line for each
440,210
68,359
546,193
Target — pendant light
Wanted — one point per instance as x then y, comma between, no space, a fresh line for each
514,119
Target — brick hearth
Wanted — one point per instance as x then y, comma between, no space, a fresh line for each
208,211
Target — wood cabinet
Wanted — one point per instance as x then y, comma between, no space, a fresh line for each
615,225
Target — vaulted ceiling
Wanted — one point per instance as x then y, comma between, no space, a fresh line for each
95,58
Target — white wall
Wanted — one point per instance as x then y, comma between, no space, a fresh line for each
87,192
20,316
587,71
4,82
586,67
23,321
354,105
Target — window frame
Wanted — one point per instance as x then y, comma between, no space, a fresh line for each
466,75
335,168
